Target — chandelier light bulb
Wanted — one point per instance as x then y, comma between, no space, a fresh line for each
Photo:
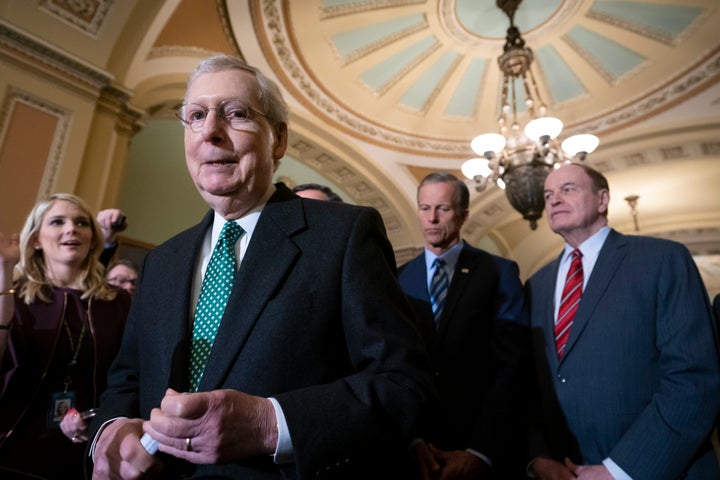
488,142
580,144
476,166
542,126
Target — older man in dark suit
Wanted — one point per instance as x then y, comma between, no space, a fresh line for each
626,356
316,369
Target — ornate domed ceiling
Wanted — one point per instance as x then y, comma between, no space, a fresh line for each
421,77
409,83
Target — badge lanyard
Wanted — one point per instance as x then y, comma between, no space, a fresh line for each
75,349
61,402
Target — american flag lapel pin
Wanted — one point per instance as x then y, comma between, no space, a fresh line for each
465,270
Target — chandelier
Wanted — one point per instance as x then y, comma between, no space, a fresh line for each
518,160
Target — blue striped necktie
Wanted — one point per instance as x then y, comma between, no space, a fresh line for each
216,287
438,289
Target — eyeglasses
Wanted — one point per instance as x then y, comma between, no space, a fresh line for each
122,281
235,112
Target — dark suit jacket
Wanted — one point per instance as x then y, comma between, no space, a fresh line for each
639,381
316,319
479,354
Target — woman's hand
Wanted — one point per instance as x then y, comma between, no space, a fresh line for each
9,249
74,427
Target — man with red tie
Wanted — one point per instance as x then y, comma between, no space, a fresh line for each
629,383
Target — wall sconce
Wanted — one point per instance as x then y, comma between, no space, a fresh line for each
632,201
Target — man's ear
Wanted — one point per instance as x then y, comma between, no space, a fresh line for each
281,141
604,195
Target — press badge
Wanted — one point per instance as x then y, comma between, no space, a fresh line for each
60,403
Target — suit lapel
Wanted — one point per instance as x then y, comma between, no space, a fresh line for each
414,279
545,297
173,318
606,266
255,281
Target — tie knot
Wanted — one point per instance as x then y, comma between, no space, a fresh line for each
439,263
231,231
576,254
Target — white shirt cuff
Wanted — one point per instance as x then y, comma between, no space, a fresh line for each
284,450
91,453
617,472
479,455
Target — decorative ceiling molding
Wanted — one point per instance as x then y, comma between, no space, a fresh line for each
362,189
381,43
358,7
700,241
37,53
688,84
633,27
85,15
280,45
294,76
180,51
472,41
224,16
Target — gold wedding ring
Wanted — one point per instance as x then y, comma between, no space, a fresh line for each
188,445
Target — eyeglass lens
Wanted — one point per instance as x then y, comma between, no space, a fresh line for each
234,111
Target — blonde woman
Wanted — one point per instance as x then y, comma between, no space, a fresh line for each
61,325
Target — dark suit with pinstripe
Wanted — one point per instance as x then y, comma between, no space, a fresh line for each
639,381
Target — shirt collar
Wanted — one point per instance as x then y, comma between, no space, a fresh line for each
590,248
450,255
247,221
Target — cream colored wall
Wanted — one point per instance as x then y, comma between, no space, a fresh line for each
66,161
95,120
156,193
57,94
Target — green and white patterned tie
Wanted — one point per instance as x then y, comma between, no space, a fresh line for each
216,287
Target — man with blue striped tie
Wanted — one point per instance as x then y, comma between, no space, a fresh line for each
438,288
469,306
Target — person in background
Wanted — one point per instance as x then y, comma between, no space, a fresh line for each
123,273
478,340
626,354
314,370
110,221
317,191
60,327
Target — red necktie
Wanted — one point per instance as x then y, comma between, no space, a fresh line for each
569,302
